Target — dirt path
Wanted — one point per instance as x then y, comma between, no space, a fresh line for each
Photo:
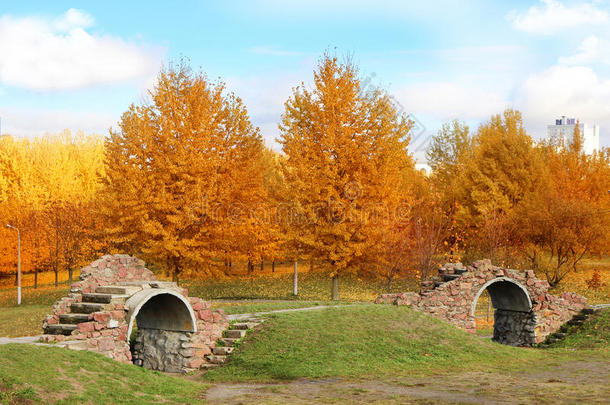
574,382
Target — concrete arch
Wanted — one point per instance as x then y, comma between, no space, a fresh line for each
505,293
160,309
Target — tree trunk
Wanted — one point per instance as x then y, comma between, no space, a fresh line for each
335,288
273,266
389,285
249,266
70,271
36,277
175,273
262,264
295,280
310,265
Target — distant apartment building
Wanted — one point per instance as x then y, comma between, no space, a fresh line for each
564,130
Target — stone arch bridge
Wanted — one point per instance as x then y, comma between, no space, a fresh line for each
525,312
174,332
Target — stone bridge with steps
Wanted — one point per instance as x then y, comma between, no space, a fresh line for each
525,312
117,297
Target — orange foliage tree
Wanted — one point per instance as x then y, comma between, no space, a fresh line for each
568,216
47,189
346,153
183,173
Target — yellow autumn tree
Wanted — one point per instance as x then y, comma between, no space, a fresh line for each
500,170
47,189
182,173
568,216
346,152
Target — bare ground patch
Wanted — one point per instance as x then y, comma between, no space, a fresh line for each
573,382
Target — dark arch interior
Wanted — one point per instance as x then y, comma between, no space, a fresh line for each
165,312
508,296
164,324
514,321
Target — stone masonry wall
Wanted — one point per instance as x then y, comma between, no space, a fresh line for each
451,295
105,331
514,328
162,350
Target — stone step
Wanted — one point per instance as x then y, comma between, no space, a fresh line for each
228,341
207,366
438,283
98,298
118,289
235,333
460,271
580,317
588,311
73,318
575,322
60,329
216,359
560,335
244,325
449,277
222,350
86,307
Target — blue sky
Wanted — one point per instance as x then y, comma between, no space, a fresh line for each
79,65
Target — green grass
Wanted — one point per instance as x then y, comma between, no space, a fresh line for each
312,286
25,320
593,334
364,340
245,307
58,375
33,296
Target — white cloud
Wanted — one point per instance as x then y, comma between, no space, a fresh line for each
591,50
555,17
34,122
52,54
447,100
563,90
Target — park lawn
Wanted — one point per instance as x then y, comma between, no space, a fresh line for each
249,306
25,320
355,354
46,295
362,340
46,374
311,286
373,341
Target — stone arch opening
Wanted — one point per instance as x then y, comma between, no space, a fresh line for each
165,322
514,319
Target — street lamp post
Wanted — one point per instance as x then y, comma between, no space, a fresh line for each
18,263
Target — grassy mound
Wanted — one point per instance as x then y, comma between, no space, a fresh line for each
33,373
362,340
